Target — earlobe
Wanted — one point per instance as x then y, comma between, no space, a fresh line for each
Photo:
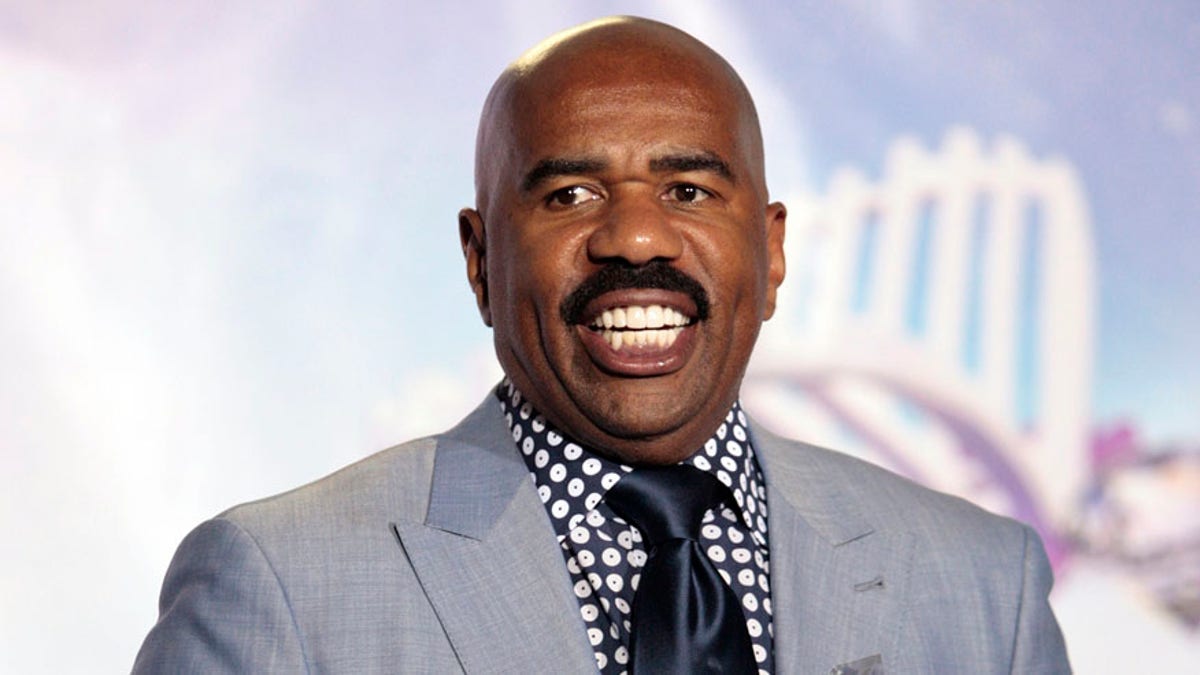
776,221
471,236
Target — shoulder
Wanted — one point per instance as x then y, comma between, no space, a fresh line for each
318,574
393,483
820,478
250,590
965,572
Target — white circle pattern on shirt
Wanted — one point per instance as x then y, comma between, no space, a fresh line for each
604,555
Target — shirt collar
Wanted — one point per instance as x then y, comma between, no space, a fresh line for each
554,458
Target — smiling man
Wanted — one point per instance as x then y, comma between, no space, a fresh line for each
610,506
622,246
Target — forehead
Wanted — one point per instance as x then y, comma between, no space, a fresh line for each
606,116
629,93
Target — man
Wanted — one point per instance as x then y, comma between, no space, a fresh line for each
624,251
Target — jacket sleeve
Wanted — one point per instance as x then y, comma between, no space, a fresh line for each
1038,646
222,609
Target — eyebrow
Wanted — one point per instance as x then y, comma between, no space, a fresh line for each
705,161
566,166
559,166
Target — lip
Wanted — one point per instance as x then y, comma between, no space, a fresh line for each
639,361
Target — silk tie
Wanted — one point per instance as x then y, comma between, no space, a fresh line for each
686,619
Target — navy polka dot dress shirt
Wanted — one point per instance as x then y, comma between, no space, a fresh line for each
605,555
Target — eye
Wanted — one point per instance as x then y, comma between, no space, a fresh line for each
687,193
571,196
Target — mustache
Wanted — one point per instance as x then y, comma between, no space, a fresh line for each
617,276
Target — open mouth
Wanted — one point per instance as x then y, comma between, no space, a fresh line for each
638,321
633,327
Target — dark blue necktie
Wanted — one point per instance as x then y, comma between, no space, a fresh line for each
686,619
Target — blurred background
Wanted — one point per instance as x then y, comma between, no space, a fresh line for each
229,266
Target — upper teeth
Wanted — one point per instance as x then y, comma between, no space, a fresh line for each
640,317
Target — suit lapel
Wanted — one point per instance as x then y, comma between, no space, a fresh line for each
488,559
838,585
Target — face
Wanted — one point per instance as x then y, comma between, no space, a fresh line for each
623,250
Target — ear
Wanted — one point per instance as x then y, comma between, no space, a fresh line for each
776,218
471,236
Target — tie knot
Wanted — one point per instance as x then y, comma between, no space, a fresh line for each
666,502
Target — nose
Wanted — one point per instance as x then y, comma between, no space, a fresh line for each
636,229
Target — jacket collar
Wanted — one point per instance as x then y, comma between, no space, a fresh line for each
839,587
809,479
487,558
489,562
476,473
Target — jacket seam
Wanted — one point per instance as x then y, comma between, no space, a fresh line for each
287,601
1012,652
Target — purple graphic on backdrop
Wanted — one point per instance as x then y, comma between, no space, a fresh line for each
943,325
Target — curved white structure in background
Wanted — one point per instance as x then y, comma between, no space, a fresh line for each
940,322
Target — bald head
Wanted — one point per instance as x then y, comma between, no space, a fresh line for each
619,168
611,59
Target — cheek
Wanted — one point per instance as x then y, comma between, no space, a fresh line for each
735,267
556,254
533,276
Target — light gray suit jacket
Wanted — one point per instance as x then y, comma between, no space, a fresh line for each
437,556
